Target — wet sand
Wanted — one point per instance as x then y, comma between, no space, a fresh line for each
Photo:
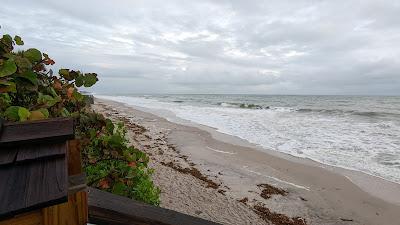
225,179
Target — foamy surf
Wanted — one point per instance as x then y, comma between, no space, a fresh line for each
339,135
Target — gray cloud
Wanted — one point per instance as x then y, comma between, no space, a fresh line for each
274,47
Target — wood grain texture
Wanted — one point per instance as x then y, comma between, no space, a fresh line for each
73,212
76,183
40,151
74,158
31,218
22,154
32,185
107,208
7,155
43,131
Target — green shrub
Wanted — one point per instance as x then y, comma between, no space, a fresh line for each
111,164
30,91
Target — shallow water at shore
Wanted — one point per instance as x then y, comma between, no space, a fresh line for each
359,133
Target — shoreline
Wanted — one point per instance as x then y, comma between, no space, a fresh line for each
320,194
360,178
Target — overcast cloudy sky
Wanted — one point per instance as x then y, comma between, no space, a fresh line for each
204,46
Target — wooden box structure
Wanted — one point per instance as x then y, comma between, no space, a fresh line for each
39,181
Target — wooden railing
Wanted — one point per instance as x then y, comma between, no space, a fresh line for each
31,132
107,208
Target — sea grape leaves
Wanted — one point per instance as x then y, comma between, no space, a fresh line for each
90,79
33,55
30,76
7,86
8,68
18,40
47,100
37,115
17,113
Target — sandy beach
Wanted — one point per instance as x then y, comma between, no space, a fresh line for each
225,179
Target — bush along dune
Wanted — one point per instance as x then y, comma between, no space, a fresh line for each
31,91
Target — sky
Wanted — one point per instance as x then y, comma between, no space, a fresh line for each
221,47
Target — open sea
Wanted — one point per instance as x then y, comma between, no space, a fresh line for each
354,132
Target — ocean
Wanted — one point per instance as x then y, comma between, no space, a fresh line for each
354,132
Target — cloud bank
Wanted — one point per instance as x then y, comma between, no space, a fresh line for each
255,47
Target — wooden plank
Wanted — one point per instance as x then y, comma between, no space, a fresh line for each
40,151
31,218
72,212
32,185
107,208
8,155
76,183
22,154
74,158
50,130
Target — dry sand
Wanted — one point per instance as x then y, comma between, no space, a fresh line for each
227,180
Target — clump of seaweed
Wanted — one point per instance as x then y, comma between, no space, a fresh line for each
194,172
269,190
277,218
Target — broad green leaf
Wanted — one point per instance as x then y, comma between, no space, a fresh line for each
11,113
22,63
74,74
8,68
37,115
17,113
7,86
23,114
45,112
18,40
66,74
79,81
33,55
30,76
90,79
63,72
47,100
7,39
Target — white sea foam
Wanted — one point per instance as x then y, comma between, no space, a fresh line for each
333,139
277,179
219,151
